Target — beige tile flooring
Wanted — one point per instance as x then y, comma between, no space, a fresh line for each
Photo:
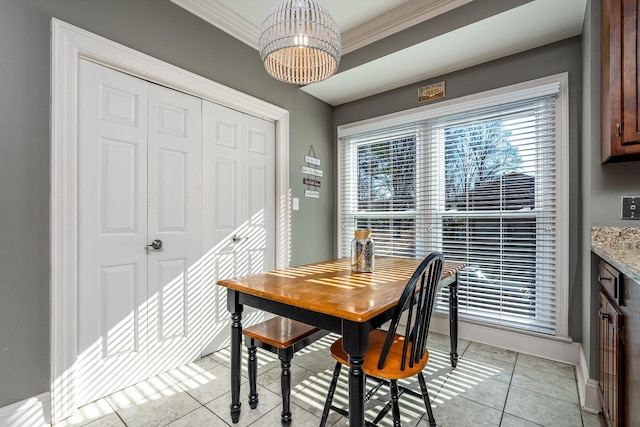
490,387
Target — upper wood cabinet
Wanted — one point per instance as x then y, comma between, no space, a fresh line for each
620,97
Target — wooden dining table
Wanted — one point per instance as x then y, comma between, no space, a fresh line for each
329,296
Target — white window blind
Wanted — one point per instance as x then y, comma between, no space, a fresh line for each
478,185
379,189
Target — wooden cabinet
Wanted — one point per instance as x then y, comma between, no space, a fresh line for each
619,346
620,96
611,365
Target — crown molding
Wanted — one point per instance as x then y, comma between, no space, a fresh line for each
400,18
226,19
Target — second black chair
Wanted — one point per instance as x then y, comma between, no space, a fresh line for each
392,356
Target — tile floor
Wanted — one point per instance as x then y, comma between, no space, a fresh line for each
490,387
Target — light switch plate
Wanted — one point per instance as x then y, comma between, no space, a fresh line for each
296,204
630,207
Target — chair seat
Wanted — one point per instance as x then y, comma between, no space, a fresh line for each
284,337
280,332
391,370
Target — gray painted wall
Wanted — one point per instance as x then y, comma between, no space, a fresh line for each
607,183
563,56
160,29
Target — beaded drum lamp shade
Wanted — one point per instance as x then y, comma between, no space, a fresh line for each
300,42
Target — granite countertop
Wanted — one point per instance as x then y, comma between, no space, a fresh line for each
619,246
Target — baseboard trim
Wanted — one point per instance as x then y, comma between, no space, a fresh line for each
587,387
35,411
553,348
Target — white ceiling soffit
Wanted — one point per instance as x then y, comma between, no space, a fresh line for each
531,25
361,22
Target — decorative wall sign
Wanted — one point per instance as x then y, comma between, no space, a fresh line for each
431,92
313,172
312,160
311,182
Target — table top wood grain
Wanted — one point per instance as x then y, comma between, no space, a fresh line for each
331,288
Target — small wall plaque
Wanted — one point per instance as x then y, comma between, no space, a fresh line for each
311,171
431,92
312,160
311,182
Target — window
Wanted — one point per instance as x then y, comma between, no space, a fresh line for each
479,179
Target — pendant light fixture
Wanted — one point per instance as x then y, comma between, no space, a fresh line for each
300,42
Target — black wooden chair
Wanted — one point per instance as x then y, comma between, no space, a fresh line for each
392,356
284,337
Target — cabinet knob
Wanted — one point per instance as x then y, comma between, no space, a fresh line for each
619,129
605,315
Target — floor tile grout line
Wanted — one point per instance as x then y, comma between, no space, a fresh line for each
519,361
506,398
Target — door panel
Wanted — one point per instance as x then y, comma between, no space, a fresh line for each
119,195
226,191
171,189
238,211
118,304
112,221
174,212
172,301
259,164
256,230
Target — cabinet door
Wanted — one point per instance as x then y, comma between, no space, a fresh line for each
611,373
630,119
620,100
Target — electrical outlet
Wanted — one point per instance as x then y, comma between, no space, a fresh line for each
630,207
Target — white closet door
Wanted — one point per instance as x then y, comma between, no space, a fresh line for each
140,181
174,212
112,300
238,210
157,164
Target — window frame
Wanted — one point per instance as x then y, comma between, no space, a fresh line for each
546,85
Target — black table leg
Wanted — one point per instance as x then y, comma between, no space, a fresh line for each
356,391
355,343
453,321
236,348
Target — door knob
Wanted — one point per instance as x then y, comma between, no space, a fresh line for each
156,244
237,239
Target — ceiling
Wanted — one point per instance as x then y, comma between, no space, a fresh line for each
442,36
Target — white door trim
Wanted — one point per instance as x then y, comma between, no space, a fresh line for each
68,45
